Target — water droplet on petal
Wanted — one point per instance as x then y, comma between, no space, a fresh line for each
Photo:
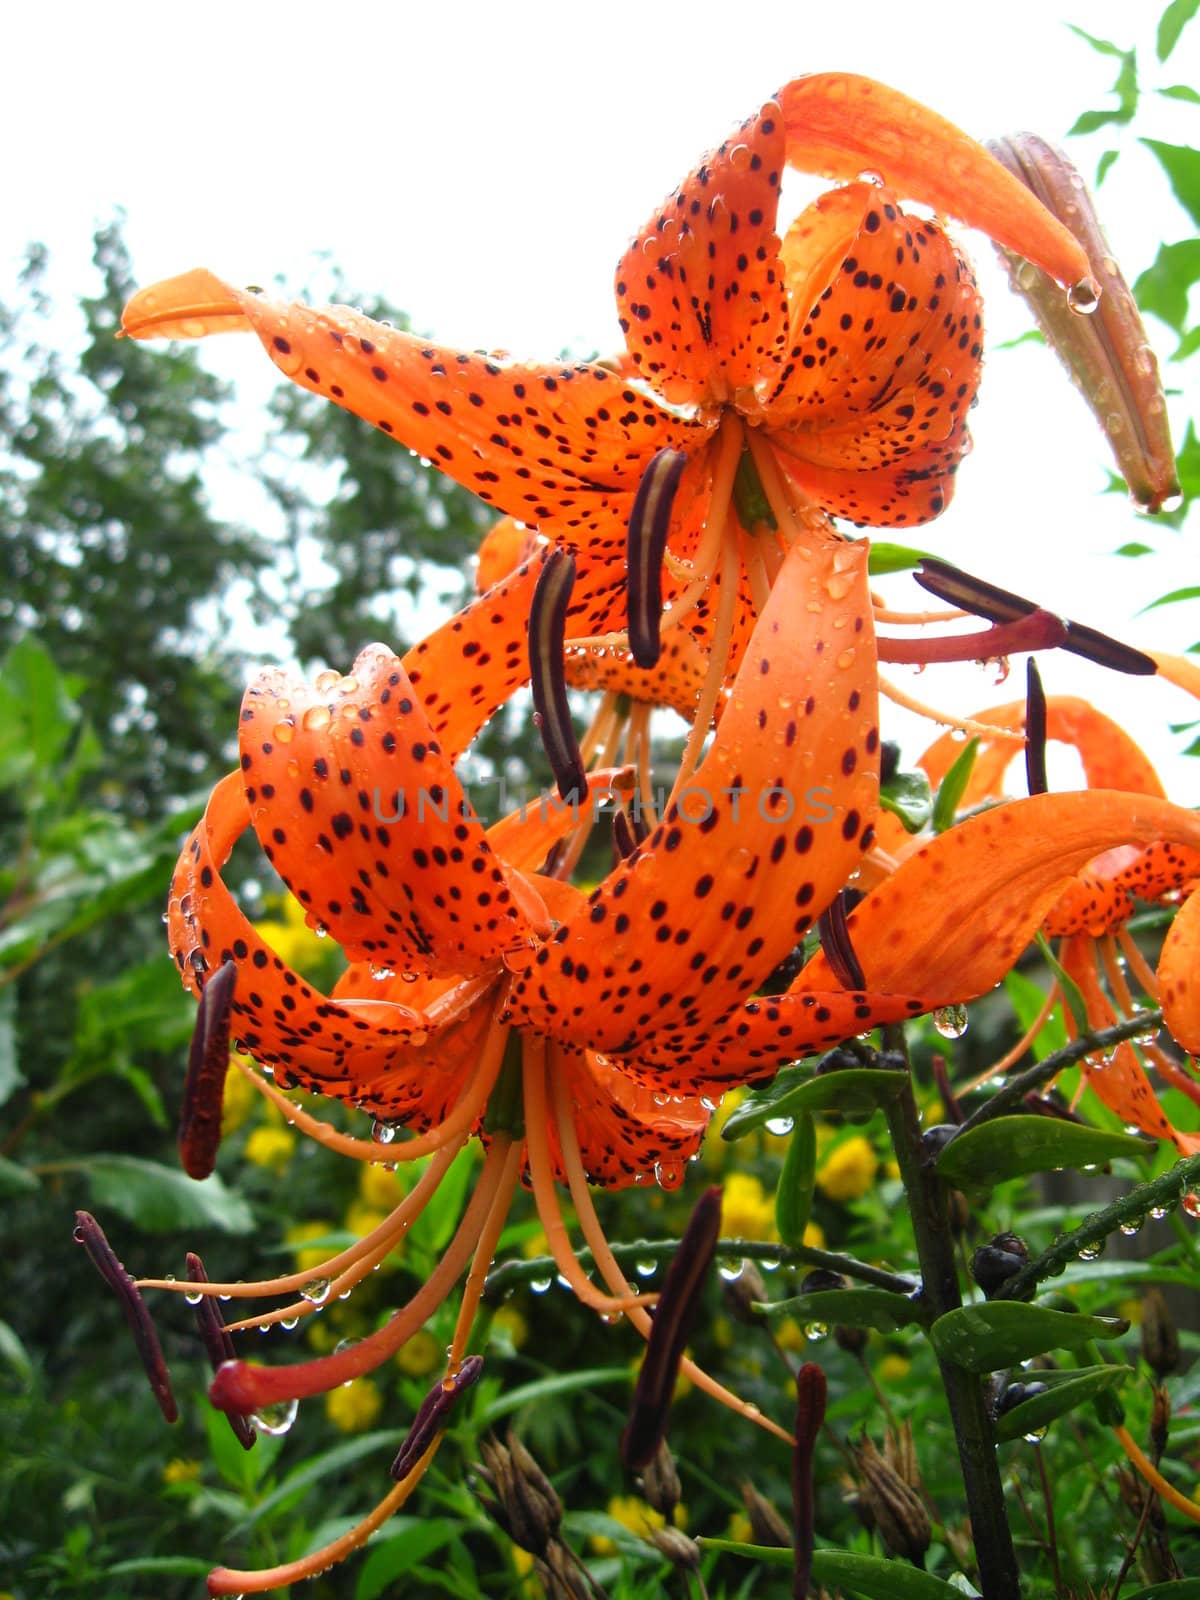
950,1021
382,1132
276,1419
1084,297
316,717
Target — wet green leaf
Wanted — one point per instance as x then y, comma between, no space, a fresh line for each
554,1388
1010,1147
1181,1589
1075,1389
953,786
907,795
410,1540
880,1309
794,1193
163,1200
1001,1333
855,1091
864,1577
16,1179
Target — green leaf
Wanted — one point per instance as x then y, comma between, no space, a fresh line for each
953,786
160,1199
907,795
330,1463
1181,91
1134,549
1001,1333
854,1091
794,1192
1010,1147
1170,25
410,1539
1032,1415
1190,593
50,715
1163,289
16,1179
1071,992
552,1388
11,1076
886,557
880,1309
1105,165
1104,47
162,1566
1181,1589
1030,336
865,1577
1182,166
14,1354
240,1468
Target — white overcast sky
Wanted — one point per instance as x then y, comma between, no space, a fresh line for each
482,166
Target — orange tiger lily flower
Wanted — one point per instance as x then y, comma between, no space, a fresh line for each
1089,915
766,383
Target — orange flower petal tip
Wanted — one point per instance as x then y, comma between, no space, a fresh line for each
841,125
190,306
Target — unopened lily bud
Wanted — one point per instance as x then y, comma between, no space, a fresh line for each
1106,352
660,1481
1160,1338
526,1505
1160,1421
679,1550
766,1524
897,1509
743,1293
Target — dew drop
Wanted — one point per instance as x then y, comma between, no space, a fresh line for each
540,1285
316,717
382,1132
1035,1436
1132,1226
316,1290
950,1021
1084,297
381,974
288,1323
815,1331
284,731
1172,503
668,1174
780,1127
1092,1252
731,1271
646,1268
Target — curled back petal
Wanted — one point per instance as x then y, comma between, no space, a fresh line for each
699,291
753,848
840,125
362,815
560,445
1178,969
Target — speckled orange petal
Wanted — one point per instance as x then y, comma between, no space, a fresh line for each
699,292
954,917
628,1132
1121,1082
883,362
840,125
562,446
525,837
1179,975
675,679
280,1019
361,814
771,825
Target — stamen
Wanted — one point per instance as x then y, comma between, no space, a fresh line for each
1170,1072
218,1345
649,525
90,1235
431,1418
1001,605
548,674
485,1250
834,930
247,1387
714,675
230,1581
947,719
541,1172
1154,1477
1138,964
811,1394
1035,731
678,1307
204,1086
1039,630
624,842
610,1270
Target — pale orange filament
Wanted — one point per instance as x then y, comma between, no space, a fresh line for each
946,719
1117,986
371,1247
460,1120
1154,1477
610,1269
756,571
780,491
484,1252
602,723
541,1171
1170,1072
714,675
229,1580
1022,1044
638,753
1138,964
913,619
704,557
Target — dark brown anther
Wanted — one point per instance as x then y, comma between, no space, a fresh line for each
810,1413
208,1064
1035,731
1160,1337
432,1414
969,593
624,843
90,1235
834,930
218,1344
649,525
548,673
674,1317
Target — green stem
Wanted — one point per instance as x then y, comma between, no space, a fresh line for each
926,1194
510,1274
1163,1192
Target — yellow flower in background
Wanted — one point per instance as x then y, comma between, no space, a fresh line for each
362,1219
747,1211
270,1147
509,1324
814,1236
640,1519
299,1235
420,1355
177,1470
379,1186
849,1170
893,1368
354,1406
239,1100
